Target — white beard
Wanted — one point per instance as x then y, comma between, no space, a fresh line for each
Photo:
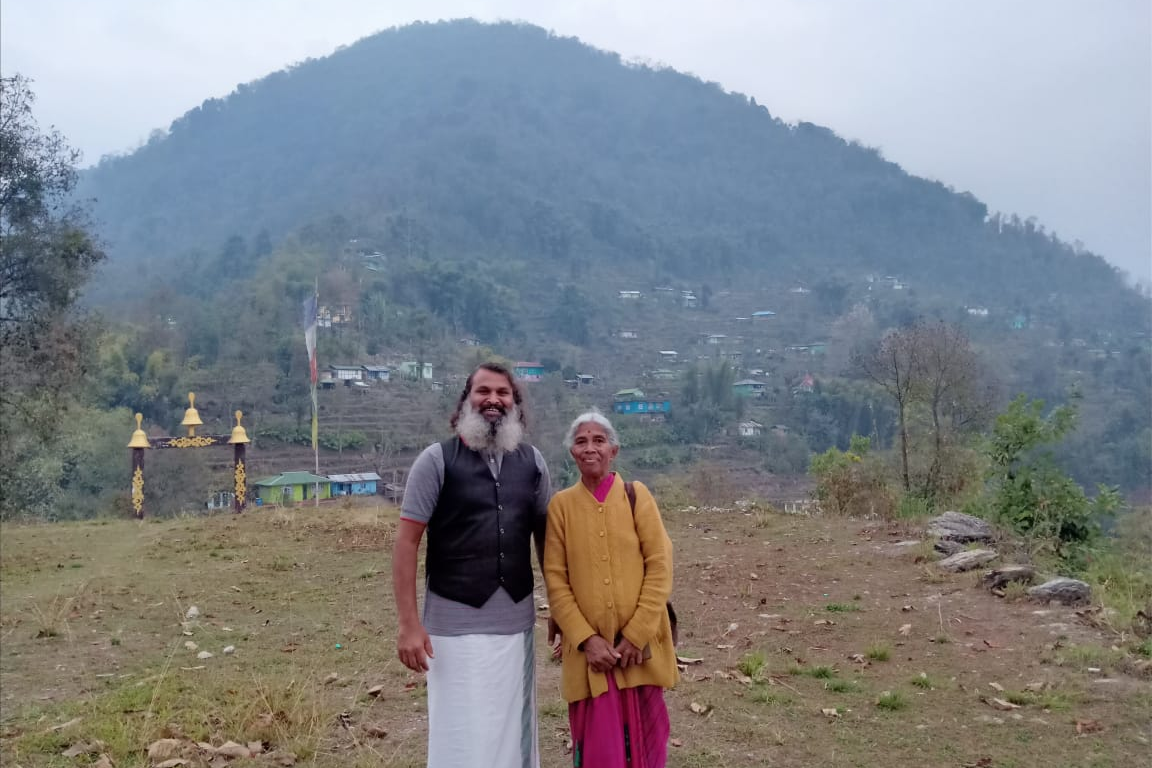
480,435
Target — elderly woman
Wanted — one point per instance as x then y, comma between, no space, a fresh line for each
608,567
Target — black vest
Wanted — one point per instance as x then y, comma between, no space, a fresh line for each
480,534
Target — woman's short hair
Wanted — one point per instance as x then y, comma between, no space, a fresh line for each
594,416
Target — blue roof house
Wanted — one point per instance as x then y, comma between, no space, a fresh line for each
358,484
635,401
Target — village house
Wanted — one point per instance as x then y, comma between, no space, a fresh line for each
347,372
807,385
355,484
749,388
734,356
763,314
628,334
669,355
635,401
290,487
413,371
662,374
585,379
376,372
630,295
530,371
750,428
329,315
817,348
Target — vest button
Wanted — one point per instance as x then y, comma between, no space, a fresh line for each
500,507
601,534
604,557
501,531
607,581
501,555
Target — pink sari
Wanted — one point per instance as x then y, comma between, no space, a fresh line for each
620,728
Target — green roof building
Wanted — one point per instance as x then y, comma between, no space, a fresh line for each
290,487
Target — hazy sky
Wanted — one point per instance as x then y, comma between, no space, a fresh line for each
1038,107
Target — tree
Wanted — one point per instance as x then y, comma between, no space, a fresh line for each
929,365
46,256
892,364
952,386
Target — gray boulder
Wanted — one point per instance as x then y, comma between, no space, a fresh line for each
966,561
957,526
1062,590
947,547
998,578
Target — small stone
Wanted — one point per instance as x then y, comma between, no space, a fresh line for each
205,655
193,613
229,649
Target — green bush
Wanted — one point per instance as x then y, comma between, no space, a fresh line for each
852,482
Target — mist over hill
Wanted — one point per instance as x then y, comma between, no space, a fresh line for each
505,141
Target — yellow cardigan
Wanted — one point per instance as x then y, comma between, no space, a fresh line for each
606,574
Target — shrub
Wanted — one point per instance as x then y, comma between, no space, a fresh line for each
852,482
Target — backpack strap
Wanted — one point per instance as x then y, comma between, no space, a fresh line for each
630,492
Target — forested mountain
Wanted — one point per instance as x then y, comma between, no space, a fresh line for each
504,141
499,184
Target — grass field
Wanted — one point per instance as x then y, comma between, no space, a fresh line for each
820,643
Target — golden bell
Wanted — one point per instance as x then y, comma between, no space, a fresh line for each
238,434
139,439
191,416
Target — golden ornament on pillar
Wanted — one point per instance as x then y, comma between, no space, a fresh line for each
191,416
239,435
139,438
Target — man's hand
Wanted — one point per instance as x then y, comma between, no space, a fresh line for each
629,654
414,648
602,657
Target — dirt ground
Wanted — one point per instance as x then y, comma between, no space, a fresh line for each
820,642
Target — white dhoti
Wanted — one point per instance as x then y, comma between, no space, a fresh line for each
482,702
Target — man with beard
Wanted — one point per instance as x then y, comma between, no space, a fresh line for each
482,496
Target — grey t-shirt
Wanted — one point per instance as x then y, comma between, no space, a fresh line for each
500,615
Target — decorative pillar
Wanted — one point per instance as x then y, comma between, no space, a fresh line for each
138,443
239,472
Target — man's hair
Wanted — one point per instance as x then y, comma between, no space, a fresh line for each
517,397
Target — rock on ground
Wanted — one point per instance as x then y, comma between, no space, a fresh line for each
957,526
1063,590
997,578
947,547
966,561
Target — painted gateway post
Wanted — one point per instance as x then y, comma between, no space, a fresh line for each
140,442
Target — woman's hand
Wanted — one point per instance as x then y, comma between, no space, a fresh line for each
602,657
628,653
